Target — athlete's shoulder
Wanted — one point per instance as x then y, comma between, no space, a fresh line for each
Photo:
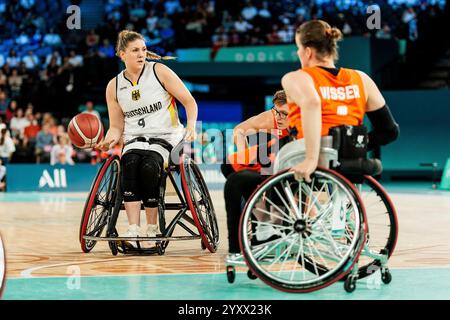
112,84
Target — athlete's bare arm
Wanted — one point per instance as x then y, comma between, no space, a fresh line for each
173,84
299,88
262,121
374,97
116,118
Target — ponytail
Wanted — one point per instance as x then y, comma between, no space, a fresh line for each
153,56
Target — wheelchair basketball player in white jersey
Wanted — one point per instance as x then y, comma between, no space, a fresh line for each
142,111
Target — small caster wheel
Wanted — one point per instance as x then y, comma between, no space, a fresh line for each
386,276
113,247
203,245
160,249
251,275
350,284
231,274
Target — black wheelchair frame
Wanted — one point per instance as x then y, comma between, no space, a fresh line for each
105,202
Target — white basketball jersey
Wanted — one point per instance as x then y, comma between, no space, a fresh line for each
149,110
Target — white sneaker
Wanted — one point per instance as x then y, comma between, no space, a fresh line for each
264,232
151,230
132,232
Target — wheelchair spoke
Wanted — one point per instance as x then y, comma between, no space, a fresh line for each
285,204
290,196
277,243
279,210
273,225
273,215
302,255
286,257
312,247
279,257
315,201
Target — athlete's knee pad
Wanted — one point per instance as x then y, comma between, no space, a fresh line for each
151,170
130,172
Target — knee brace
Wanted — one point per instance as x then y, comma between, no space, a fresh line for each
150,173
130,171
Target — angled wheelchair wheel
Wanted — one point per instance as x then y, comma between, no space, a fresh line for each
383,226
300,237
97,210
2,266
199,202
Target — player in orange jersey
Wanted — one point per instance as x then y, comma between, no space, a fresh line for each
243,169
273,122
321,96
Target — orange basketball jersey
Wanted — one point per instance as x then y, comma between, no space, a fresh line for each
247,159
342,96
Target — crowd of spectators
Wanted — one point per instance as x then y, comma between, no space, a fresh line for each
44,66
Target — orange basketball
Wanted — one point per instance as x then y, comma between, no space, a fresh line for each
85,130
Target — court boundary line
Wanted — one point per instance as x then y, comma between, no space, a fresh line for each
171,274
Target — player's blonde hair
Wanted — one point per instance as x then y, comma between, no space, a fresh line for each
127,36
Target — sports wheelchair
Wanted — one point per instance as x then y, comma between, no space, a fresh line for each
2,266
320,230
104,203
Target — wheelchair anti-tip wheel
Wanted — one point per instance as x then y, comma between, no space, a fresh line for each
383,229
200,204
300,237
100,202
2,266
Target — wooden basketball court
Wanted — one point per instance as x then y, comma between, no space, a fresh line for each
40,233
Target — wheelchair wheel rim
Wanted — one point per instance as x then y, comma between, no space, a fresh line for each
205,219
344,261
2,266
383,224
98,204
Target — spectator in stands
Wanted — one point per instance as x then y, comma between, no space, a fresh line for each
7,146
92,39
384,33
2,60
90,109
172,6
151,21
137,12
29,109
106,50
2,176
44,143
4,102
52,39
263,11
164,22
11,111
3,79
242,25
27,4
22,39
12,59
274,37
18,124
31,131
54,55
249,11
31,61
15,83
228,22
61,153
75,60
